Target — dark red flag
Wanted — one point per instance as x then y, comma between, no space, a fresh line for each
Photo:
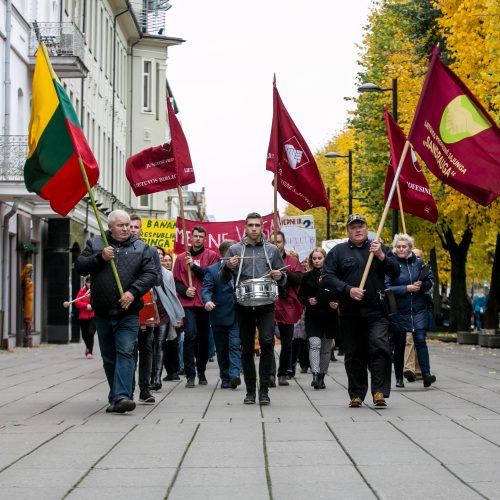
415,192
162,167
299,180
456,138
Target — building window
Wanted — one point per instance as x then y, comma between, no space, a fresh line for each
144,201
146,86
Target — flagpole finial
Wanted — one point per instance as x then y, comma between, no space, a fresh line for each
274,80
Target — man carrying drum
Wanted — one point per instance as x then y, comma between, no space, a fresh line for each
255,263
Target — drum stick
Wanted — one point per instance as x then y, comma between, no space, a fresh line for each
66,304
245,257
280,269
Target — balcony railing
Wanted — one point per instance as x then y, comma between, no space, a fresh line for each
13,152
150,16
65,44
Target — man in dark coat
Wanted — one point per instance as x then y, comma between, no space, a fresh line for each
117,317
362,319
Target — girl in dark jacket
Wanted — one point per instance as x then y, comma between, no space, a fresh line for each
410,290
321,319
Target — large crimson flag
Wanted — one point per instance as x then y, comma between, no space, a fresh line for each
162,167
415,192
456,138
56,142
288,156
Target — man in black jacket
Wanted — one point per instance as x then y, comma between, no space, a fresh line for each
362,320
117,318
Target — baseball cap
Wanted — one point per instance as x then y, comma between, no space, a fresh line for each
355,218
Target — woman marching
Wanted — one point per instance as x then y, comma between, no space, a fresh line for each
86,317
321,320
410,289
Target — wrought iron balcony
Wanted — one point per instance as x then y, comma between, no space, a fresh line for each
65,44
13,152
151,15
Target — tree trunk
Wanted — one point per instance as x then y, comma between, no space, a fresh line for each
436,293
491,316
460,305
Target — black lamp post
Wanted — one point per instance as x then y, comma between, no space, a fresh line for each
371,87
332,154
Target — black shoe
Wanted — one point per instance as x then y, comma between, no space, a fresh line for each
272,381
315,381
332,356
182,372
225,384
202,380
155,386
190,382
211,360
409,375
303,369
321,378
264,399
282,380
123,405
110,408
429,379
235,382
146,397
172,376
249,398
340,352
399,382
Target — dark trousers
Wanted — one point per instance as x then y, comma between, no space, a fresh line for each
300,353
366,345
196,336
88,328
420,348
144,357
250,319
286,338
171,356
159,334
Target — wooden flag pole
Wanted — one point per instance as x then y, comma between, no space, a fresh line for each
384,214
184,233
275,219
101,228
400,201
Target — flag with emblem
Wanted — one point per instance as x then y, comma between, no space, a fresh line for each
454,135
289,157
56,143
416,195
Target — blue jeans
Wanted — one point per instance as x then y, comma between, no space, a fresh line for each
227,343
117,341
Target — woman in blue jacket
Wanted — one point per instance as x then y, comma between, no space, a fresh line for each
410,289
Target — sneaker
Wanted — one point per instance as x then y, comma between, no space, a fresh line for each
378,399
409,375
249,398
282,380
429,379
264,399
272,381
122,406
146,397
190,382
235,382
89,355
202,380
355,402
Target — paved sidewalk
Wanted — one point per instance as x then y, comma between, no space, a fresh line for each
57,442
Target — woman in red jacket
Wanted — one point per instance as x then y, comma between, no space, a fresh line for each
86,318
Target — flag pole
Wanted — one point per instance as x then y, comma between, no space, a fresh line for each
275,218
384,214
101,228
184,232
400,201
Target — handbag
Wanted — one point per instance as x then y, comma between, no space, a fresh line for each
388,300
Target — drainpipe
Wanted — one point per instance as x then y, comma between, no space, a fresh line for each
113,82
6,274
130,107
7,82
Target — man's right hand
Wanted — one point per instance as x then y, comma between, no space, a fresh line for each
191,292
108,253
209,306
232,262
356,293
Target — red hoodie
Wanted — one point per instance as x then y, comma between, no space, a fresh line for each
82,304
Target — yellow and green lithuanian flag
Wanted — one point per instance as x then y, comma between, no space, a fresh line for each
56,142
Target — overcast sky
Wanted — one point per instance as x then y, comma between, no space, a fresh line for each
222,78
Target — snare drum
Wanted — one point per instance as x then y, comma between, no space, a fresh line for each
256,292
148,315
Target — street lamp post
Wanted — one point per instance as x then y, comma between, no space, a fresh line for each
371,87
332,154
328,215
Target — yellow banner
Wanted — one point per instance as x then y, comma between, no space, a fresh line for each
159,233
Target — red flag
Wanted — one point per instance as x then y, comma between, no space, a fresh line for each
162,167
415,192
299,180
457,139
